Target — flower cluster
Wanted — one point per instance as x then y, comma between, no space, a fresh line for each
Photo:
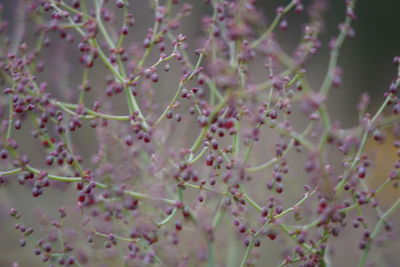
159,147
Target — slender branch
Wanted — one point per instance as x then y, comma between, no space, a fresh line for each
376,231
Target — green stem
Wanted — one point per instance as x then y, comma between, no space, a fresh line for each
326,84
10,118
167,219
376,231
247,253
211,256
340,185
9,172
273,25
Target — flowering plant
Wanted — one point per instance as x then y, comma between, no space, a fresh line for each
168,149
